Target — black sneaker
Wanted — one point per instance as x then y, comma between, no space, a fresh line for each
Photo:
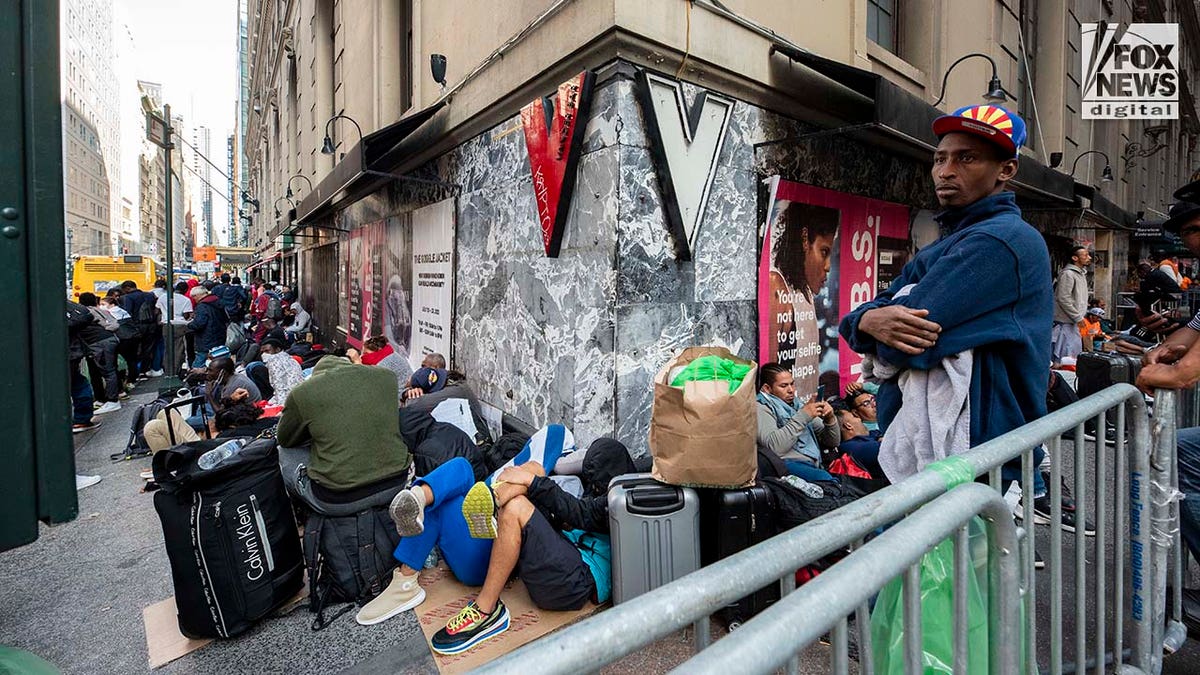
470,627
1038,562
1043,515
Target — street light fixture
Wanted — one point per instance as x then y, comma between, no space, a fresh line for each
995,90
301,176
1106,175
327,145
289,201
247,199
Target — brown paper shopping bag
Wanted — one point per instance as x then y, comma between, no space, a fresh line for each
701,435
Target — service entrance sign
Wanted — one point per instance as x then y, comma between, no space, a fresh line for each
1131,73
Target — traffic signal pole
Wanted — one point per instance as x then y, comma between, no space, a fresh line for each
169,323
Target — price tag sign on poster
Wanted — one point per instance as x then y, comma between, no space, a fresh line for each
433,280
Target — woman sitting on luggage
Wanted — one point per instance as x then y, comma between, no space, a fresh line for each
794,433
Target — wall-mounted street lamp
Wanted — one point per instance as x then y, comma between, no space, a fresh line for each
437,68
995,90
327,145
1106,174
301,176
247,199
288,198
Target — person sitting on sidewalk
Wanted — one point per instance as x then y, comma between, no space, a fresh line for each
377,352
225,386
861,443
283,372
860,400
796,434
348,414
1090,330
557,544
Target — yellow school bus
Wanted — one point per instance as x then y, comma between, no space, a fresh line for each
98,273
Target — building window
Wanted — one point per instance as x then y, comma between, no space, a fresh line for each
882,26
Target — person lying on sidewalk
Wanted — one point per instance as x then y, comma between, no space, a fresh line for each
557,544
431,513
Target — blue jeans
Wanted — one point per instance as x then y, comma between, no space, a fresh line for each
160,350
197,421
201,357
82,396
444,526
809,472
1189,485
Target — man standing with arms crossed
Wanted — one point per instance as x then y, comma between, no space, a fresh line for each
983,286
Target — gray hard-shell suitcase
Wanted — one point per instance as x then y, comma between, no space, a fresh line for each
655,532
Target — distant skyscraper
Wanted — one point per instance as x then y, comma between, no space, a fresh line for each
91,126
203,143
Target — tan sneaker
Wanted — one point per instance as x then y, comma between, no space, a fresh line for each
402,594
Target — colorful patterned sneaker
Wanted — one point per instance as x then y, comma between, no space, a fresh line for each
408,512
470,627
479,510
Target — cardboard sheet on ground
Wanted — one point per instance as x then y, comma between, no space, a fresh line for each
164,642
445,596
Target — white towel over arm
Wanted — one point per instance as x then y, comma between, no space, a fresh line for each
934,420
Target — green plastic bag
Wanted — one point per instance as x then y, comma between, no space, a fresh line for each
937,612
709,368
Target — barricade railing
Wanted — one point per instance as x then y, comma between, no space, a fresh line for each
773,637
1126,463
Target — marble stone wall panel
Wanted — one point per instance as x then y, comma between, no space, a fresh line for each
726,255
649,335
616,117
646,265
490,159
592,221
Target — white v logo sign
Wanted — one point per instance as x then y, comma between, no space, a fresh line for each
685,144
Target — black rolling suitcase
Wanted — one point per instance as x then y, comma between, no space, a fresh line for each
230,535
732,521
1095,371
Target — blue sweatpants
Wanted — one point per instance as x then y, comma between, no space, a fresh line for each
444,526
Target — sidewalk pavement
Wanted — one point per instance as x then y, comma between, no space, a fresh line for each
75,596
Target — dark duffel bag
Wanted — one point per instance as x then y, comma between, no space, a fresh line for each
1095,371
230,534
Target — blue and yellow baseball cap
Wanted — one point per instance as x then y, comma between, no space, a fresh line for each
992,122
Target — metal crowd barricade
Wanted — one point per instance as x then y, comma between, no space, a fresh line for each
1136,467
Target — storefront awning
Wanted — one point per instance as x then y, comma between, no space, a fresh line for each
1105,210
903,123
264,261
361,171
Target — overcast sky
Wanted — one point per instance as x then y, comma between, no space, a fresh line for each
190,47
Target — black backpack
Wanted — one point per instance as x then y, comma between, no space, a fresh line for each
230,534
274,308
147,312
137,446
349,558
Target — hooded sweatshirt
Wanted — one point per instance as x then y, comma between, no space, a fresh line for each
348,413
986,281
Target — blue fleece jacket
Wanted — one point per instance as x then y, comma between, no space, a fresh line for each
986,281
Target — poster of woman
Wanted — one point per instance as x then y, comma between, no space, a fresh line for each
820,259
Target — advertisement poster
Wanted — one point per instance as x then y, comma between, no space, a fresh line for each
364,293
824,253
432,280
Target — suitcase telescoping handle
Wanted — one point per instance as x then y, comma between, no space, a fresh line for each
654,500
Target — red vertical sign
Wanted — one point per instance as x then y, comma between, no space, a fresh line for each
554,137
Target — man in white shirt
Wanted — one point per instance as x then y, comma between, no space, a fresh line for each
182,308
